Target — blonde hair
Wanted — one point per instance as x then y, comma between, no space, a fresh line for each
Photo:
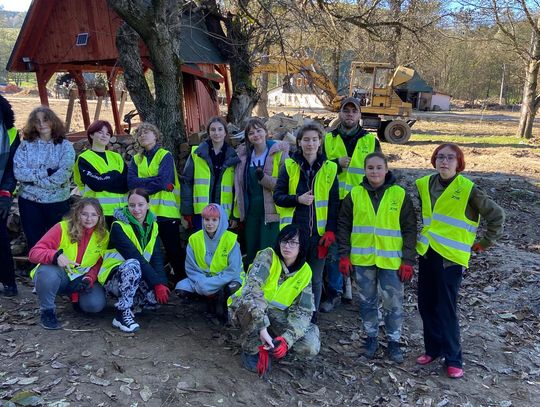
75,229
144,127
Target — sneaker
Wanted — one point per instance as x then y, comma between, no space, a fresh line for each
454,372
424,360
125,321
330,304
10,290
371,346
394,352
49,320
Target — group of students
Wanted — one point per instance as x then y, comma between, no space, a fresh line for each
333,197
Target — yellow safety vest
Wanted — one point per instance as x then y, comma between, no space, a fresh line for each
12,134
282,295
201,185
376,237
334,147
112,258
446,228
220,260
324,179
94,250
163,203
114,162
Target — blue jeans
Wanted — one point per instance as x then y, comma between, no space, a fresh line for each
334,277
51,280
371,281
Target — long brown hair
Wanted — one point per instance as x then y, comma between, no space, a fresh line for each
75,229
58,130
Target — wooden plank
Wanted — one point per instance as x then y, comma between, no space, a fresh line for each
114,101
69,113
98,107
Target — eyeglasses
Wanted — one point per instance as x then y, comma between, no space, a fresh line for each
447,157
291,243
89,215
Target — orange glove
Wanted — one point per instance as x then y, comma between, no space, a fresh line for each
478,248
405,272
162,293
345,266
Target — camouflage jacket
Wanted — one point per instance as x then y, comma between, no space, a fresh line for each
251,310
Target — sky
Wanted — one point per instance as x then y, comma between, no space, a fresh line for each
15,5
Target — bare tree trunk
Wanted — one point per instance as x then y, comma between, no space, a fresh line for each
158,24
261,109
336,57
395,9
529,104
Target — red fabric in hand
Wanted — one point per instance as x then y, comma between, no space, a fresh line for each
478,248
280,347
262,363
345,266
162,293
327,239
405,272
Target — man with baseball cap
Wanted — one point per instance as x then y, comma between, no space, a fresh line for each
347,145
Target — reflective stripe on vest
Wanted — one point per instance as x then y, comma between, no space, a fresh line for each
324,179
112,258
114,162
446,227
376,237
220,260
163,203
282,295
334,147
94,250
201,185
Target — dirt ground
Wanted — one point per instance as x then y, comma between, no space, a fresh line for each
183,357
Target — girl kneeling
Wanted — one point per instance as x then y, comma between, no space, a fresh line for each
213,260
132,268
69,257
275,305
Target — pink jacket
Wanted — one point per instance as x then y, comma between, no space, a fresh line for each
47,247
268,182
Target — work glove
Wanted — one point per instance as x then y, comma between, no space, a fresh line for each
5,206
162,293
345,266
170,187
405,272
281,347
263,364
478,248
259,173
189,221
324,243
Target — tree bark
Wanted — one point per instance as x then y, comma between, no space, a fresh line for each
530,91
261,109
158,24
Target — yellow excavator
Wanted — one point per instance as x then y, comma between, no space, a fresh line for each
372,83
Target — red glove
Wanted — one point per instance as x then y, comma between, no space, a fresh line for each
345,266
189,221
162,293
478,248
322,251
280,347
405,272
170,187
75,297
263,363
327,239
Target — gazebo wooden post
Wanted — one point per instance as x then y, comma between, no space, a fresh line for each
112,93
43,75
79,80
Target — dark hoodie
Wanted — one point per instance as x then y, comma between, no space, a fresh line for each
305,216
152,272
407,220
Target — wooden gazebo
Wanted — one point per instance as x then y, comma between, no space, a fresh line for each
78,36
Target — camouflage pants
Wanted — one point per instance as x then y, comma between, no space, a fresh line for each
371,281
305,347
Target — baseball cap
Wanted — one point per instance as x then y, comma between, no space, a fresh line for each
350,101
